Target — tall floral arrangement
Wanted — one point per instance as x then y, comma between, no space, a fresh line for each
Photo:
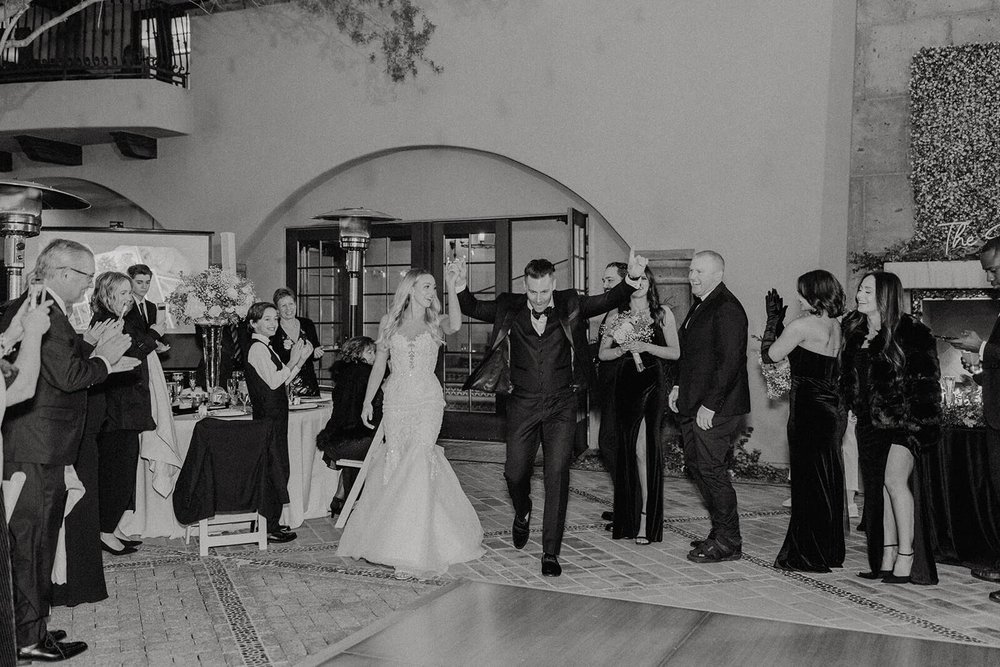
212,297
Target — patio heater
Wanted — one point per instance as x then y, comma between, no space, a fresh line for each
354,225
21,205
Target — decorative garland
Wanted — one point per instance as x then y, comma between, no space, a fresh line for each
954,144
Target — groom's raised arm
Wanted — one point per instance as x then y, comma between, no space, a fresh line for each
485,311
602,303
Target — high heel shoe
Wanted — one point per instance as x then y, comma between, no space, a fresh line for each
124,551
642,539
895,578
881,574
336,505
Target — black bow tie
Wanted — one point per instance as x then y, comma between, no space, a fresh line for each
545,313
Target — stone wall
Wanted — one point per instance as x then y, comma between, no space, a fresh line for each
889,33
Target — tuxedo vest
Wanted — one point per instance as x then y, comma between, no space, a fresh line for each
539,364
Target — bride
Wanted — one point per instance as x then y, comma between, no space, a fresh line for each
413,514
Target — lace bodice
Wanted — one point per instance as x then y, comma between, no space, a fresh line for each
412,362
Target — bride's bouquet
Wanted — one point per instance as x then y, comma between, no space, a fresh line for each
632,328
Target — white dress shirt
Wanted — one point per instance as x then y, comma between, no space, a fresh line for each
261,360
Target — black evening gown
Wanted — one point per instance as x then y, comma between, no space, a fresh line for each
816,424
84,564
873,453
638,396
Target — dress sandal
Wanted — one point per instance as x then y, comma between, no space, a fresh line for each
895,578
642,539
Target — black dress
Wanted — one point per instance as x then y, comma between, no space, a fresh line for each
84,563
282,346
816,423
873,453
638,396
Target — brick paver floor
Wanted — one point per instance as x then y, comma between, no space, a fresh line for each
242,606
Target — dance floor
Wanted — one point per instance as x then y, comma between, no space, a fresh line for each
495,624
300,602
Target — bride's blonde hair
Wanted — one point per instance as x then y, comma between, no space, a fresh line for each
401,301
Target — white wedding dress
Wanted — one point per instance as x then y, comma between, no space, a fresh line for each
412,513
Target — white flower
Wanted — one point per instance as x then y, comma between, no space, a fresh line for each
214,311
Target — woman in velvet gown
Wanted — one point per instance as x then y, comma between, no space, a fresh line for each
639,404
816,422
890,380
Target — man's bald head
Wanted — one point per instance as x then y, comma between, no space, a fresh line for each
706,272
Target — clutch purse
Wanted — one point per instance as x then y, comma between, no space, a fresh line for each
492,375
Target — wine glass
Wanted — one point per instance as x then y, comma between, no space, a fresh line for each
233,386
192,381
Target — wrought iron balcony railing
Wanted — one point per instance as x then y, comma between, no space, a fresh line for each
113,39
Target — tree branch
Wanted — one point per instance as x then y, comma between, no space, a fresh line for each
21,43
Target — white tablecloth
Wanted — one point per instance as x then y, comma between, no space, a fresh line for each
311,484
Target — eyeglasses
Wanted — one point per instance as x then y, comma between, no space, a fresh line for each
88,276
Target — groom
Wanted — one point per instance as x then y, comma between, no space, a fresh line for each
549,363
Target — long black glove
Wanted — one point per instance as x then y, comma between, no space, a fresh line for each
776,310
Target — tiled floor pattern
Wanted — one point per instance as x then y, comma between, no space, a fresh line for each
243,606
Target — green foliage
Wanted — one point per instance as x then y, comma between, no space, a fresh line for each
746,463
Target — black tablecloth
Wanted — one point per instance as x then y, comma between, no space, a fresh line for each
962,490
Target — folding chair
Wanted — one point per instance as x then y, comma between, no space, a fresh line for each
363,466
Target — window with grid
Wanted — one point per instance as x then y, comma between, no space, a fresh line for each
466,348
386,262
321,290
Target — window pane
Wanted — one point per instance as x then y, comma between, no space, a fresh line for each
311,285
374,280
308,253
329,310
376,252
482,277
332,254
371,330
478,335
482,248
330,281
374,308
399,252
394,274
456,247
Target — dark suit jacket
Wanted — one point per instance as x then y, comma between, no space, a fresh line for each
134,316
572,310
48,428
990,378
712,369
128,402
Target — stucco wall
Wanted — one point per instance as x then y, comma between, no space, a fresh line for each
689,123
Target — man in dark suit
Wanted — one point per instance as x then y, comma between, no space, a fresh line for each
144,314
989,378
549,362
712,396
42,436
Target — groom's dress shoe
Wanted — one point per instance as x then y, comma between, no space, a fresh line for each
987,574
995,596
52,651
550,566
519,531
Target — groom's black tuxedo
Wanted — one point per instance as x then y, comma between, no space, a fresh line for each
545,371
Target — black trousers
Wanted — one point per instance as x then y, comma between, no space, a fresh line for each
34,533
707,455
548,420
8,641
118,458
